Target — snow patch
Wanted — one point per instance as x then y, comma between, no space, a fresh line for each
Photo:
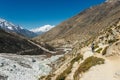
10,28
44,28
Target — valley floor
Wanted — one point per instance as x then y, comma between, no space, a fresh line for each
18,67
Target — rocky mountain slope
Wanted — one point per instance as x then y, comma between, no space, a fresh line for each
84,25
92,62
96,57
10,27
90,40
16,44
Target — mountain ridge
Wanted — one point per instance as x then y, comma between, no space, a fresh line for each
99,57
10,27
82,26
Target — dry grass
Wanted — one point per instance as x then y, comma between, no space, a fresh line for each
87,64
99,50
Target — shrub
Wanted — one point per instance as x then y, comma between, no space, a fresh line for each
99,50
112,41
89,62
104,51
48,77
42,77
96,46
63,75
78,57
110,31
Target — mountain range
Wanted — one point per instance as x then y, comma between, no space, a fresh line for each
15,39
84,47
10,27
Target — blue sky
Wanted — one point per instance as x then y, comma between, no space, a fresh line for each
35,13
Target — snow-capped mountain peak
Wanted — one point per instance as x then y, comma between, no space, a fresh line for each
10,27
43,29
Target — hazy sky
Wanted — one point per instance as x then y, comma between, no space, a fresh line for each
35,13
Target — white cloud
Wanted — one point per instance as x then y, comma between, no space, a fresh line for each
44,28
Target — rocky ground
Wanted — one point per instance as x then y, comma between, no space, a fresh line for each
86,63
80,62
14,67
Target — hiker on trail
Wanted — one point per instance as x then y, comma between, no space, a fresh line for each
92,47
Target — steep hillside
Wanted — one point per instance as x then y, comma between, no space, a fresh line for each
84,25
95,54
92,62
15,44
12,43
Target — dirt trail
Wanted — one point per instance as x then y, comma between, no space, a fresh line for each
29,50
108,71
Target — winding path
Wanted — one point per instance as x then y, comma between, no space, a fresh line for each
29,50
52,52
